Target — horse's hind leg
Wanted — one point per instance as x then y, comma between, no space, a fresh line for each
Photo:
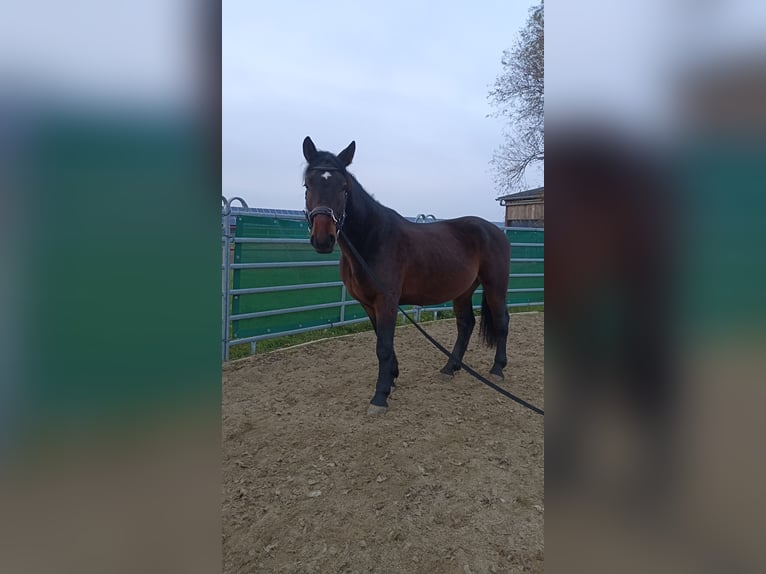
495,299
463,307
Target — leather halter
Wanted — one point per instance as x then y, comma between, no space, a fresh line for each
325,210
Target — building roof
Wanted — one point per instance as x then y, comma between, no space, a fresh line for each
535,193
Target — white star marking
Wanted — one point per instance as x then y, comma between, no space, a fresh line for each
327,175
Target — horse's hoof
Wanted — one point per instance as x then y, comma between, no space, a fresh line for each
446,377
376,410
494,377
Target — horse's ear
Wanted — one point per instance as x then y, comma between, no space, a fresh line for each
347,154
309,149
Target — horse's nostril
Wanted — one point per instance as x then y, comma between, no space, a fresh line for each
323,245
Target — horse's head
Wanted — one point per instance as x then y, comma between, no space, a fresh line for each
327,184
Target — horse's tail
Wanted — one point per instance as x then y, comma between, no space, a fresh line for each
488,326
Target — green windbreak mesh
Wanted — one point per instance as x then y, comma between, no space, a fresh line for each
292,265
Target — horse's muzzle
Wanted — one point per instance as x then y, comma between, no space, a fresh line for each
324,246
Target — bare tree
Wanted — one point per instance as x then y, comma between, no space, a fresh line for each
519,95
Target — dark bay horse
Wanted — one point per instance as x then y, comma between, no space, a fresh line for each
412,264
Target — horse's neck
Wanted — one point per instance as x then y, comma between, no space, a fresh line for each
365,218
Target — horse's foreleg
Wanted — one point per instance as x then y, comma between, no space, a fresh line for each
385,314
463,307
370,310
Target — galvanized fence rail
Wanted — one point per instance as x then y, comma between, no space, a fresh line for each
274,284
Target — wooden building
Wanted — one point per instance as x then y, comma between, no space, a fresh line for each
525,208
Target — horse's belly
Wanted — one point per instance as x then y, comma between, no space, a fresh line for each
434,290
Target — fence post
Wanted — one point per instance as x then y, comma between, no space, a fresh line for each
343,301
225,262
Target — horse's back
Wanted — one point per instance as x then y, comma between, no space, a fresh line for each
467,235
472,230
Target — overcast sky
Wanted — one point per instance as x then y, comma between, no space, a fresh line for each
407,80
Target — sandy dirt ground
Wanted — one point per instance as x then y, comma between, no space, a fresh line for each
450,479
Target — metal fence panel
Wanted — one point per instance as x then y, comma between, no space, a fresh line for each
276,284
